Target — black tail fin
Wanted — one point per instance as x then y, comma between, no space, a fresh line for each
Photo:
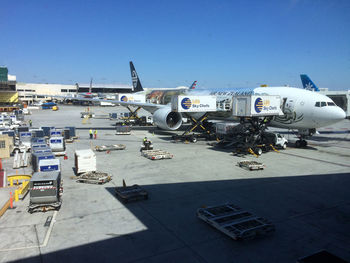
136,83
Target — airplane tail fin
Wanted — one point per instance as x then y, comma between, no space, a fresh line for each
193,86
136,83
307,83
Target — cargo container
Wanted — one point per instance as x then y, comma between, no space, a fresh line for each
47,149
66,133
57,144
225,128
56,133
37,157
85,161
22,129
71,131
47,165
47,130
45,191
256,105
38,140
38,133
193,103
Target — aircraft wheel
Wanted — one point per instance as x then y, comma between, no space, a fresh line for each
303,143
298,144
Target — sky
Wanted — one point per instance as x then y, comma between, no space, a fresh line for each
221,44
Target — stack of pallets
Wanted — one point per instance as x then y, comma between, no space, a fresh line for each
156,154
235,222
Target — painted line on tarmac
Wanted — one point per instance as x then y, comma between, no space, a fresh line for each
46,239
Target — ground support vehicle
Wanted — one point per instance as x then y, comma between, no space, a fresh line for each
235,222
146,146
156,154
45,190
114,147
251,165
131,193
94,178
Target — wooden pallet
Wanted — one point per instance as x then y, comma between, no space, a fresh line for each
235,222
251,165
156,154
131,193
93,178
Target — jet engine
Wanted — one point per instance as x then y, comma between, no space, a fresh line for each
166,119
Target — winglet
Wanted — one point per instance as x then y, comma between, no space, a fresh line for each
193,86
136,83
307,83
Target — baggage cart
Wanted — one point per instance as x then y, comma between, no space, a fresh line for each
113,147
235,222
251,165
156,154
131,193
94,178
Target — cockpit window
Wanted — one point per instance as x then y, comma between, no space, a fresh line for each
331,104
317,104
323,104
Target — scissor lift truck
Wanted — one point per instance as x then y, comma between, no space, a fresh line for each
235,222
45,191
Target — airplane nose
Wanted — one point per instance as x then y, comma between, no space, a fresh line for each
340,114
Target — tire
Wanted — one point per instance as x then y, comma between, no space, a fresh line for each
258,151
303,143
298,144
284,146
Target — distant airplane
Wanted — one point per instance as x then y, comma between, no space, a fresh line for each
307,83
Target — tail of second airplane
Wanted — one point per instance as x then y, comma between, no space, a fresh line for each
193,86
307,83
136,83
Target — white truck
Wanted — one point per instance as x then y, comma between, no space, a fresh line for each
281,142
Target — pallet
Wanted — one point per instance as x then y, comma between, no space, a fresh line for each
131,193
235,222
156,154
251,165
44,207
93,178
113,147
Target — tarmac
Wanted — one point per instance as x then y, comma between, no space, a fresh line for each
303,192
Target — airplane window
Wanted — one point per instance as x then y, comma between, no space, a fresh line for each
317,104
331,104
323,104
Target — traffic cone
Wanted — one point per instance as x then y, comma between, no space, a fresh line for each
108,152
0,164
11,200
65,157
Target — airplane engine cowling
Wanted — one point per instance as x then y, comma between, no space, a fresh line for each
166,119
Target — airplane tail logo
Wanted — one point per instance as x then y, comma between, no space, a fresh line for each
307,83
136,83
258,105
186,103
193,86
124,98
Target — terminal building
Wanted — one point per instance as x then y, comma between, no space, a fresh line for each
8,93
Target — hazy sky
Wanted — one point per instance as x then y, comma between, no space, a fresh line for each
221,44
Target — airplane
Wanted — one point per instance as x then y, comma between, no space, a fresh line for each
303,110
307,83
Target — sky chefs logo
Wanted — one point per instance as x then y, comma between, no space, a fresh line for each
124,98
186,103
258,105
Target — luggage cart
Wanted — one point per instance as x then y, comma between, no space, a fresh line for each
235,222
251,165
93,178
156,154
131,193
44,207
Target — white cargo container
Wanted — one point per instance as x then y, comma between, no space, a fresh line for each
193,103
48,165
256,105
57,144
132,98
85,161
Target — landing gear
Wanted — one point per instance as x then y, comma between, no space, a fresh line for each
300,143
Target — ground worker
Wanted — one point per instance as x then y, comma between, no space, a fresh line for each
30,123
90,132
95,134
